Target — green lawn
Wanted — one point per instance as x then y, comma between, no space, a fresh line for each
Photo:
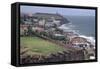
38,45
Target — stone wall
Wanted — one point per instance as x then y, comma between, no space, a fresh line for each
58,57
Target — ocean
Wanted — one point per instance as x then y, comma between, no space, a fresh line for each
84,25
81,25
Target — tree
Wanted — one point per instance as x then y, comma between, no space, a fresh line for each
29,30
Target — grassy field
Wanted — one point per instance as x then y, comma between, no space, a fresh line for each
38,45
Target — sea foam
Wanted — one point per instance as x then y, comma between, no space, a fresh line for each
69,27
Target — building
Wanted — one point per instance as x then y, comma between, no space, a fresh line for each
70,35
37,29
80,42
23,29
44,19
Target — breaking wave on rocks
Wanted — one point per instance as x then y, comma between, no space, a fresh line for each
69,27
89,38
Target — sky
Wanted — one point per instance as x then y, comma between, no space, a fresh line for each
62,11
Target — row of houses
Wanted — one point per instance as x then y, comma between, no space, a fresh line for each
44,19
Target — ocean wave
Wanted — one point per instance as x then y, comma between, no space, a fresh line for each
71,28
89,38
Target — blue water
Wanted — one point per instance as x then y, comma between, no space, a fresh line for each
85,25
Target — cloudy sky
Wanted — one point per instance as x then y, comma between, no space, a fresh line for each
63,11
